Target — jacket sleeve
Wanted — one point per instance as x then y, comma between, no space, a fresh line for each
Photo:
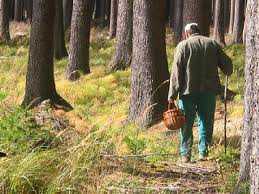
224,61
176,75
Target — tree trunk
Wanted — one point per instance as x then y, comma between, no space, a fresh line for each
238,22
4,21
113,18
18,10
219,30
149,63
100,12
11,9
226,15
80,39
178,20
28,7
123,53
40,83
171,13
67,10
232,16
60,50
198,11
249,161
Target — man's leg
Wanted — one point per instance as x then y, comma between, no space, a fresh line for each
206,111
187,104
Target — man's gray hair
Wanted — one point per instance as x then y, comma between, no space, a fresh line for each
189,26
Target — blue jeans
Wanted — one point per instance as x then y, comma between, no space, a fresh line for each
203,105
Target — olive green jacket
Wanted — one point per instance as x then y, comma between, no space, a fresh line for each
195,67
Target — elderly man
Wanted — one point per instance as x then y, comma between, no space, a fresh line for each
195,79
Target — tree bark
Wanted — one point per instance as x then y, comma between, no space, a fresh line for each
28,8
18,10
80,39
113,18
149,63
4,21
238,22
171,13
40,84
219,30
11,9
100,12
178,20
198,11
123,53
226,15
249,162
67,10
60,50
232,16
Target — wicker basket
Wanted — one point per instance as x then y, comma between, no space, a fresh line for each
173,118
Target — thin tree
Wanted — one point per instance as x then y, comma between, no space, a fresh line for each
67,13
4,21
28,8
178,20
226,5
198,11
113,18
238,21
149,63
40,84
60,50
123,54
80,39
19,10
232,16
219,25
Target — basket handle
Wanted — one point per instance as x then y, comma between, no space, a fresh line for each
171,105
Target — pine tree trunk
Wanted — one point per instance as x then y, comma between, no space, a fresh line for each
60,50
226,14
40,83
18,11
113,18
198,11
250,140
28,8
11,9
178,20
171,13
123,53
232,16
219,30
102,12
80,39
149,63
238,21
67,13
4,21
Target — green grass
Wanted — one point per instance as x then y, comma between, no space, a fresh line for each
74,162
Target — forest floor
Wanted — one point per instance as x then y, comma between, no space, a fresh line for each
92,149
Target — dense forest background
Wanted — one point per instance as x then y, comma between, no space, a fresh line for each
84,83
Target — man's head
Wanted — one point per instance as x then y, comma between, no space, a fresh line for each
190,29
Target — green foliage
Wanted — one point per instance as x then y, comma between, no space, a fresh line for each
19,133
135,144
3,95
29,173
